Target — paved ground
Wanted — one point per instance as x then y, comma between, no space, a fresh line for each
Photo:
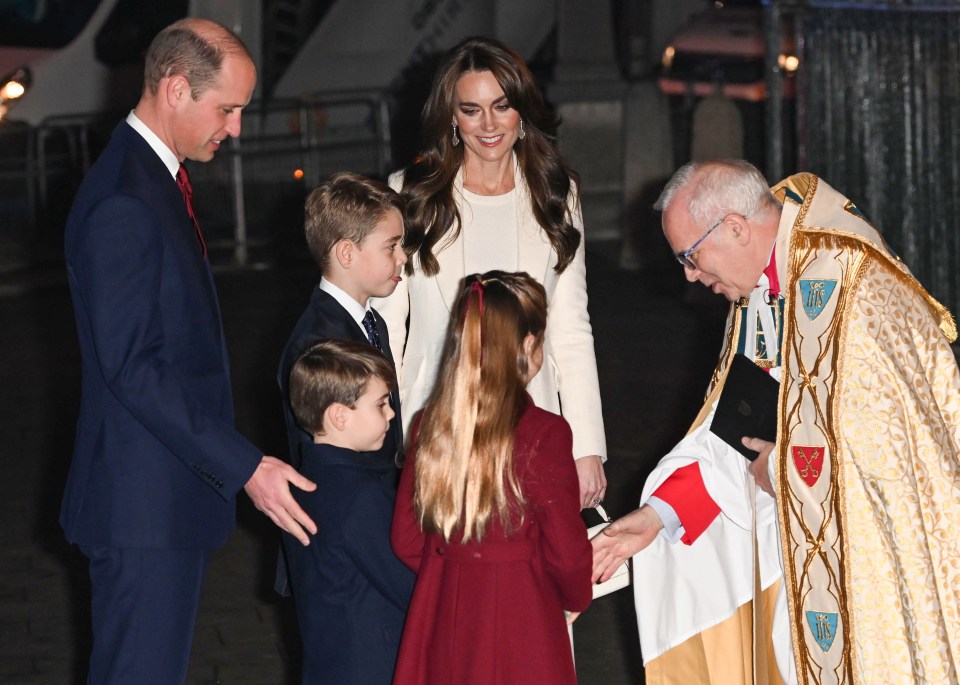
656,343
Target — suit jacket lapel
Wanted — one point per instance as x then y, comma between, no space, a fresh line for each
165,186
325,306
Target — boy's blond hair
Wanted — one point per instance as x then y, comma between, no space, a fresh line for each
346,206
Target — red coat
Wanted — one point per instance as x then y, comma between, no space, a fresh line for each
491,612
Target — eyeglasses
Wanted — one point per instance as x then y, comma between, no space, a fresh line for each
686,258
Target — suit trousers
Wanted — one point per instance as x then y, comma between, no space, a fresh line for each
144,606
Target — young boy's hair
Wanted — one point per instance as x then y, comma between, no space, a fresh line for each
346,206
464,470
334,371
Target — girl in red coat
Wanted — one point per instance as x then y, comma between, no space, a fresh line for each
488,512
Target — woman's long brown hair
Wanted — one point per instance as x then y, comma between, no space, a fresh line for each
428,183
465,458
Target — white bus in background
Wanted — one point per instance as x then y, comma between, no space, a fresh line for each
85,56
60,57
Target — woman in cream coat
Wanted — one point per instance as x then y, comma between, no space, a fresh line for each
478,197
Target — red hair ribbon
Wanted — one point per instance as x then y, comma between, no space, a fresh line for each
477,287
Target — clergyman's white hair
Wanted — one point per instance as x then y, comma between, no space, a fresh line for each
718,188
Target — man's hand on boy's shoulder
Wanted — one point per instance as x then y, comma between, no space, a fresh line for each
269,490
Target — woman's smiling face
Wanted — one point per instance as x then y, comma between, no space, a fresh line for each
488,124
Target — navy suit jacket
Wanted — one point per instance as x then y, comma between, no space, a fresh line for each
350,589
157,461
323,319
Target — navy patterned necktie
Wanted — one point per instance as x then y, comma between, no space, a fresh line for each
183,181
370,326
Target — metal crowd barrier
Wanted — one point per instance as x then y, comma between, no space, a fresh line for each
248,199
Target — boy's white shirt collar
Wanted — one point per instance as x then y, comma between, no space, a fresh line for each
354,308
163,152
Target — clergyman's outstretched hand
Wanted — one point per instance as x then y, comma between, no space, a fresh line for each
622,539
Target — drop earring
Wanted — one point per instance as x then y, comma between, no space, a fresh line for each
522,134
454,139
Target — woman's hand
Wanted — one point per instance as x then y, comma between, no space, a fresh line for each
593,481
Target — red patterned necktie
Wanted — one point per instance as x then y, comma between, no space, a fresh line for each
184,182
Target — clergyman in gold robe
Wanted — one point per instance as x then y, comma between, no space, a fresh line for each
864,474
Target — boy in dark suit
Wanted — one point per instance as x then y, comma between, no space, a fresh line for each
354,229
351,591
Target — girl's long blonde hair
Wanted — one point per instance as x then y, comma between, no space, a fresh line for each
465,466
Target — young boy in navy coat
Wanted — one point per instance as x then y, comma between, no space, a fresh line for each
350,590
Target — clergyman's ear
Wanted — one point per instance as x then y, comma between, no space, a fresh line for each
741,228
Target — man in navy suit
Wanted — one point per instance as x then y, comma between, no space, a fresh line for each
158,462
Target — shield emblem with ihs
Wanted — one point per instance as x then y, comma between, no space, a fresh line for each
809,462
815,293
823,626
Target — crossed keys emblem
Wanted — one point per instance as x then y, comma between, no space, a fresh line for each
809,462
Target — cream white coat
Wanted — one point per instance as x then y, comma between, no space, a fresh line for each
569,374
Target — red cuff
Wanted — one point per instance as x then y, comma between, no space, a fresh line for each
685,492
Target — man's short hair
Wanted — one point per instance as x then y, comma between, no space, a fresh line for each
719,187
194,49
334,371
346,206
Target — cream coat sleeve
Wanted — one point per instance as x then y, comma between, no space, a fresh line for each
569,353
